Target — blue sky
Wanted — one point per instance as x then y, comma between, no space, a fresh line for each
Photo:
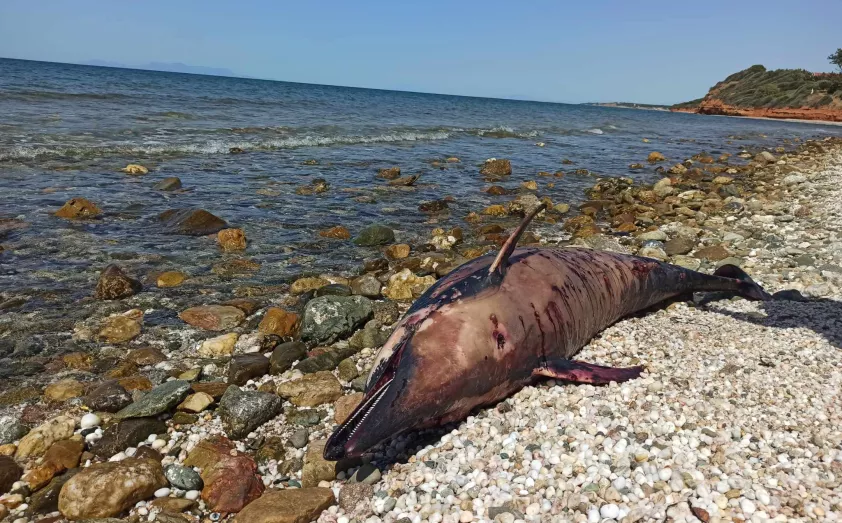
648,52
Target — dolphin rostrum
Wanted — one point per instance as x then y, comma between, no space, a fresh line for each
494,324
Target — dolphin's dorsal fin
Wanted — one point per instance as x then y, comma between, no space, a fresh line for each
501,262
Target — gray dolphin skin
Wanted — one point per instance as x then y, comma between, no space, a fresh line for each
495,324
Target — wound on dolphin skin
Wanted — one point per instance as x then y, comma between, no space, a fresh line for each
580,372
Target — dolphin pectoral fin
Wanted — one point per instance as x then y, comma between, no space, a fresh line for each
579,372
501,262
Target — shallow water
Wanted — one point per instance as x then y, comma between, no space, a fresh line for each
67,130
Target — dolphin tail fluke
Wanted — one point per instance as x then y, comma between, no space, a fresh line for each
747,288
501,262
579,372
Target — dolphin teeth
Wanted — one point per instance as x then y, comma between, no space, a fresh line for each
365,409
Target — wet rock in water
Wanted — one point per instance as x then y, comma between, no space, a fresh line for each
78,209
530,185
397,251
230,477
170,279
236,150
679,246
105,490
375,265
285,355
307,284
677,169
345,405
122,327
244,367
655,157
231,239
404,181
243,411
495,167
523,204
366,285
10,472
636,166
337,233
496,190
135,169
317,186
64,390
312,390
391,173
173,183
107,397
279,322
11,430
213,317
713,253
374,235
406,286
495,210
158,400
192,222
329,318
114,284
183,477
36,443
288,506
433,206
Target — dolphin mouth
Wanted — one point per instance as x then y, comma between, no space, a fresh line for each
341,443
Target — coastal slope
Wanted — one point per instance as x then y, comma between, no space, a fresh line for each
782,93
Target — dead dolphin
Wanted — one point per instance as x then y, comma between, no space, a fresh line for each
496,323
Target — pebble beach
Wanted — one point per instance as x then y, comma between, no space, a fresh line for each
737,417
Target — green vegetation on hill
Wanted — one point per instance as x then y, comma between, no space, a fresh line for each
757,87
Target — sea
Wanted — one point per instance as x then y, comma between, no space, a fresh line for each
67,130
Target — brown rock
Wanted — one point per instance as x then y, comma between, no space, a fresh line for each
246,305
307,284
122,370
495,210
345,405
65,453
655,157
231,480
170,279
121,328
288,506
64,390
279,322
244,367
78,209
312,390
173,504
397,251
214,389
196,402
136,382
194,222
105,490
40,475
713,253
496,190
316,467
78,360
213,317
530,185
115,284
337,233
146,356
390,173
135,169
10,472
219,346
231,239
496,167
679,246
40,439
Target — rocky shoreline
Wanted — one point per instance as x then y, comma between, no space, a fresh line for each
220,413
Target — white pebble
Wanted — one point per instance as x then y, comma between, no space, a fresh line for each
466,516
192,495
162,492
159,444
610,511
593,515
665,474
747,506
89,420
